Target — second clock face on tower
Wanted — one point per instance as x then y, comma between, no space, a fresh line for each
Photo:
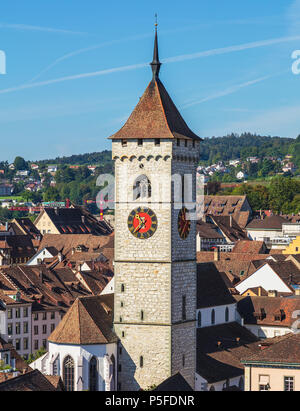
184,224
142,223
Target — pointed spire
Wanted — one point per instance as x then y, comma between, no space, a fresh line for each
155,65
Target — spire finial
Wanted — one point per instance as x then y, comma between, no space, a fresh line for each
155,65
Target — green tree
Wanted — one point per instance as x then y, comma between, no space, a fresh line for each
51,194
20,163
281,191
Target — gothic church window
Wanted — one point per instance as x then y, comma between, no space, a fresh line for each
93,374
68,373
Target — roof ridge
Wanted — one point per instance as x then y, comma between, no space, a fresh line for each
93,321
63,323
162,106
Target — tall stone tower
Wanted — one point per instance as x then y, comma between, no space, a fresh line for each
155,156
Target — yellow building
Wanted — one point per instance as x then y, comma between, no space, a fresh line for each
293,248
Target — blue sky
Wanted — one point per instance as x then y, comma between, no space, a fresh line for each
75,70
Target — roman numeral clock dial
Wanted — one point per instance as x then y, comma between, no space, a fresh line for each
184,224
142,223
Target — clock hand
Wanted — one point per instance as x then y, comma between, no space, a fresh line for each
138,227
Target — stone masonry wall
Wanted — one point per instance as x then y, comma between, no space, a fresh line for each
151,342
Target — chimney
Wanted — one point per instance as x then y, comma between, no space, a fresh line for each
259,291
216,254
272,293
83,219
230,221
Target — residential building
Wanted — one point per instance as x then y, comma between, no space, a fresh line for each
293,247
24,226
208,236
219,351
15,321
276,367
38,300
268,317
280,277
236,206
16,249
272,230
6,189
75,220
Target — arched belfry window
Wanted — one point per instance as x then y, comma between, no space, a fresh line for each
93,374
141,187
68,373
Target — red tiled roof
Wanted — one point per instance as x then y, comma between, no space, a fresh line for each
284,350
253,247
278,311
273,222
88,321
155,116
220,348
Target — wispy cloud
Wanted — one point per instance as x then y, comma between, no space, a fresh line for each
74,77
227,91
87,49
26,27
193,56
150,34
231,49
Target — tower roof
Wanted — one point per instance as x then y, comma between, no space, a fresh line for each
88,321
155,115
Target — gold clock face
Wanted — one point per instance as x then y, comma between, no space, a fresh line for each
184,224
142,223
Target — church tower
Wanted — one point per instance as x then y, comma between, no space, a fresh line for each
156,155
